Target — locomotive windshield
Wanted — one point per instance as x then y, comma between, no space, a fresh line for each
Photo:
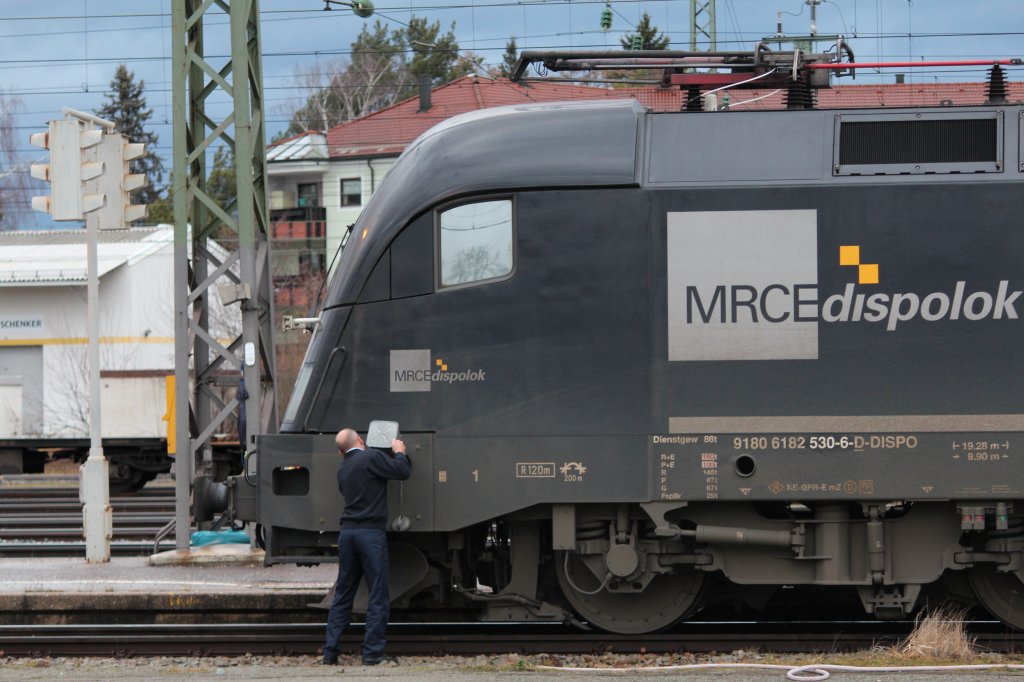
475,242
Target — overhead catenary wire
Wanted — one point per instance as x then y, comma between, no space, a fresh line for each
267,16
956,76
92,24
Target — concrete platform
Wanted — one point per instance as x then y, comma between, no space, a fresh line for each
131,590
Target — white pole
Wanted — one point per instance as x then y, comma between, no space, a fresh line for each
94,488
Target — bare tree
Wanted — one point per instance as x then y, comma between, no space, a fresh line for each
369,83
342,89
475,263
383,69
318,112
66,408
15,182
10,415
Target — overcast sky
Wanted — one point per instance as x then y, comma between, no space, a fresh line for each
64,52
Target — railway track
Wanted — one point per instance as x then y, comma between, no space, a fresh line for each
44,520
467,639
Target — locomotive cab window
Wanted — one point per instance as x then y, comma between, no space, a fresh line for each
475,243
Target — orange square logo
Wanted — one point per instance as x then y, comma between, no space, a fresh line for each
849,255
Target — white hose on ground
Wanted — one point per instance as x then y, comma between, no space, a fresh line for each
813,672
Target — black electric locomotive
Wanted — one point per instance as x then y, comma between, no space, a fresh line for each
631,351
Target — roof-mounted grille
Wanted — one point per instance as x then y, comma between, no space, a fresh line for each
899,144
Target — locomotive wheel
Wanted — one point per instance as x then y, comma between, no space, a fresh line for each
1002,594
666,600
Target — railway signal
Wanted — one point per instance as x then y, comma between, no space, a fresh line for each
85,180
117,181
89,174
70,165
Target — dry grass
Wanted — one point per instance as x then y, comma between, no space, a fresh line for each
939,633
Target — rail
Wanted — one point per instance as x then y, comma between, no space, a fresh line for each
438,639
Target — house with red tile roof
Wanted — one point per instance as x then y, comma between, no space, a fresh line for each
339,171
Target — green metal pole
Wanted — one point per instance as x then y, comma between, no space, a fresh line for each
179,188
207,365
702,24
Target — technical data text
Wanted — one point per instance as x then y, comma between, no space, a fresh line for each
821,466
825,442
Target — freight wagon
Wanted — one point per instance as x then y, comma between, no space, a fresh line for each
44,394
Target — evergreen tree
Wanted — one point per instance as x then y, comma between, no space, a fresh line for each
161,211
220,185
434,54
509,59
652,40
221,182
126,108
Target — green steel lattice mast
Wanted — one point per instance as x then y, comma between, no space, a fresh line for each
702,25
240,343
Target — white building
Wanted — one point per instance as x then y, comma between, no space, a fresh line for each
43,368
308,188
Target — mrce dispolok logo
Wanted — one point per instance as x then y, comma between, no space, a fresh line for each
417,371
743,285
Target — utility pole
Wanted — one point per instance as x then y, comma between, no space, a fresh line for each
208,366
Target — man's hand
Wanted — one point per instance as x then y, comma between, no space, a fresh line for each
398,446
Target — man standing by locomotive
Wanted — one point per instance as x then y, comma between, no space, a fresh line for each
362,543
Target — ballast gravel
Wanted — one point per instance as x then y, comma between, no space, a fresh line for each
444,668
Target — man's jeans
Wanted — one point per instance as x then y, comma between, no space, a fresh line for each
361,552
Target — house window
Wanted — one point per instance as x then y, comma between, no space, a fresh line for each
476,242
309,195
351,191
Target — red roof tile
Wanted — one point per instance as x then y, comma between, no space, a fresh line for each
390,130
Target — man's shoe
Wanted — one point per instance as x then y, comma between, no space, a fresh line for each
329,660
383,659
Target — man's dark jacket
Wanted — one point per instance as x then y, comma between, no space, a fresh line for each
363,481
